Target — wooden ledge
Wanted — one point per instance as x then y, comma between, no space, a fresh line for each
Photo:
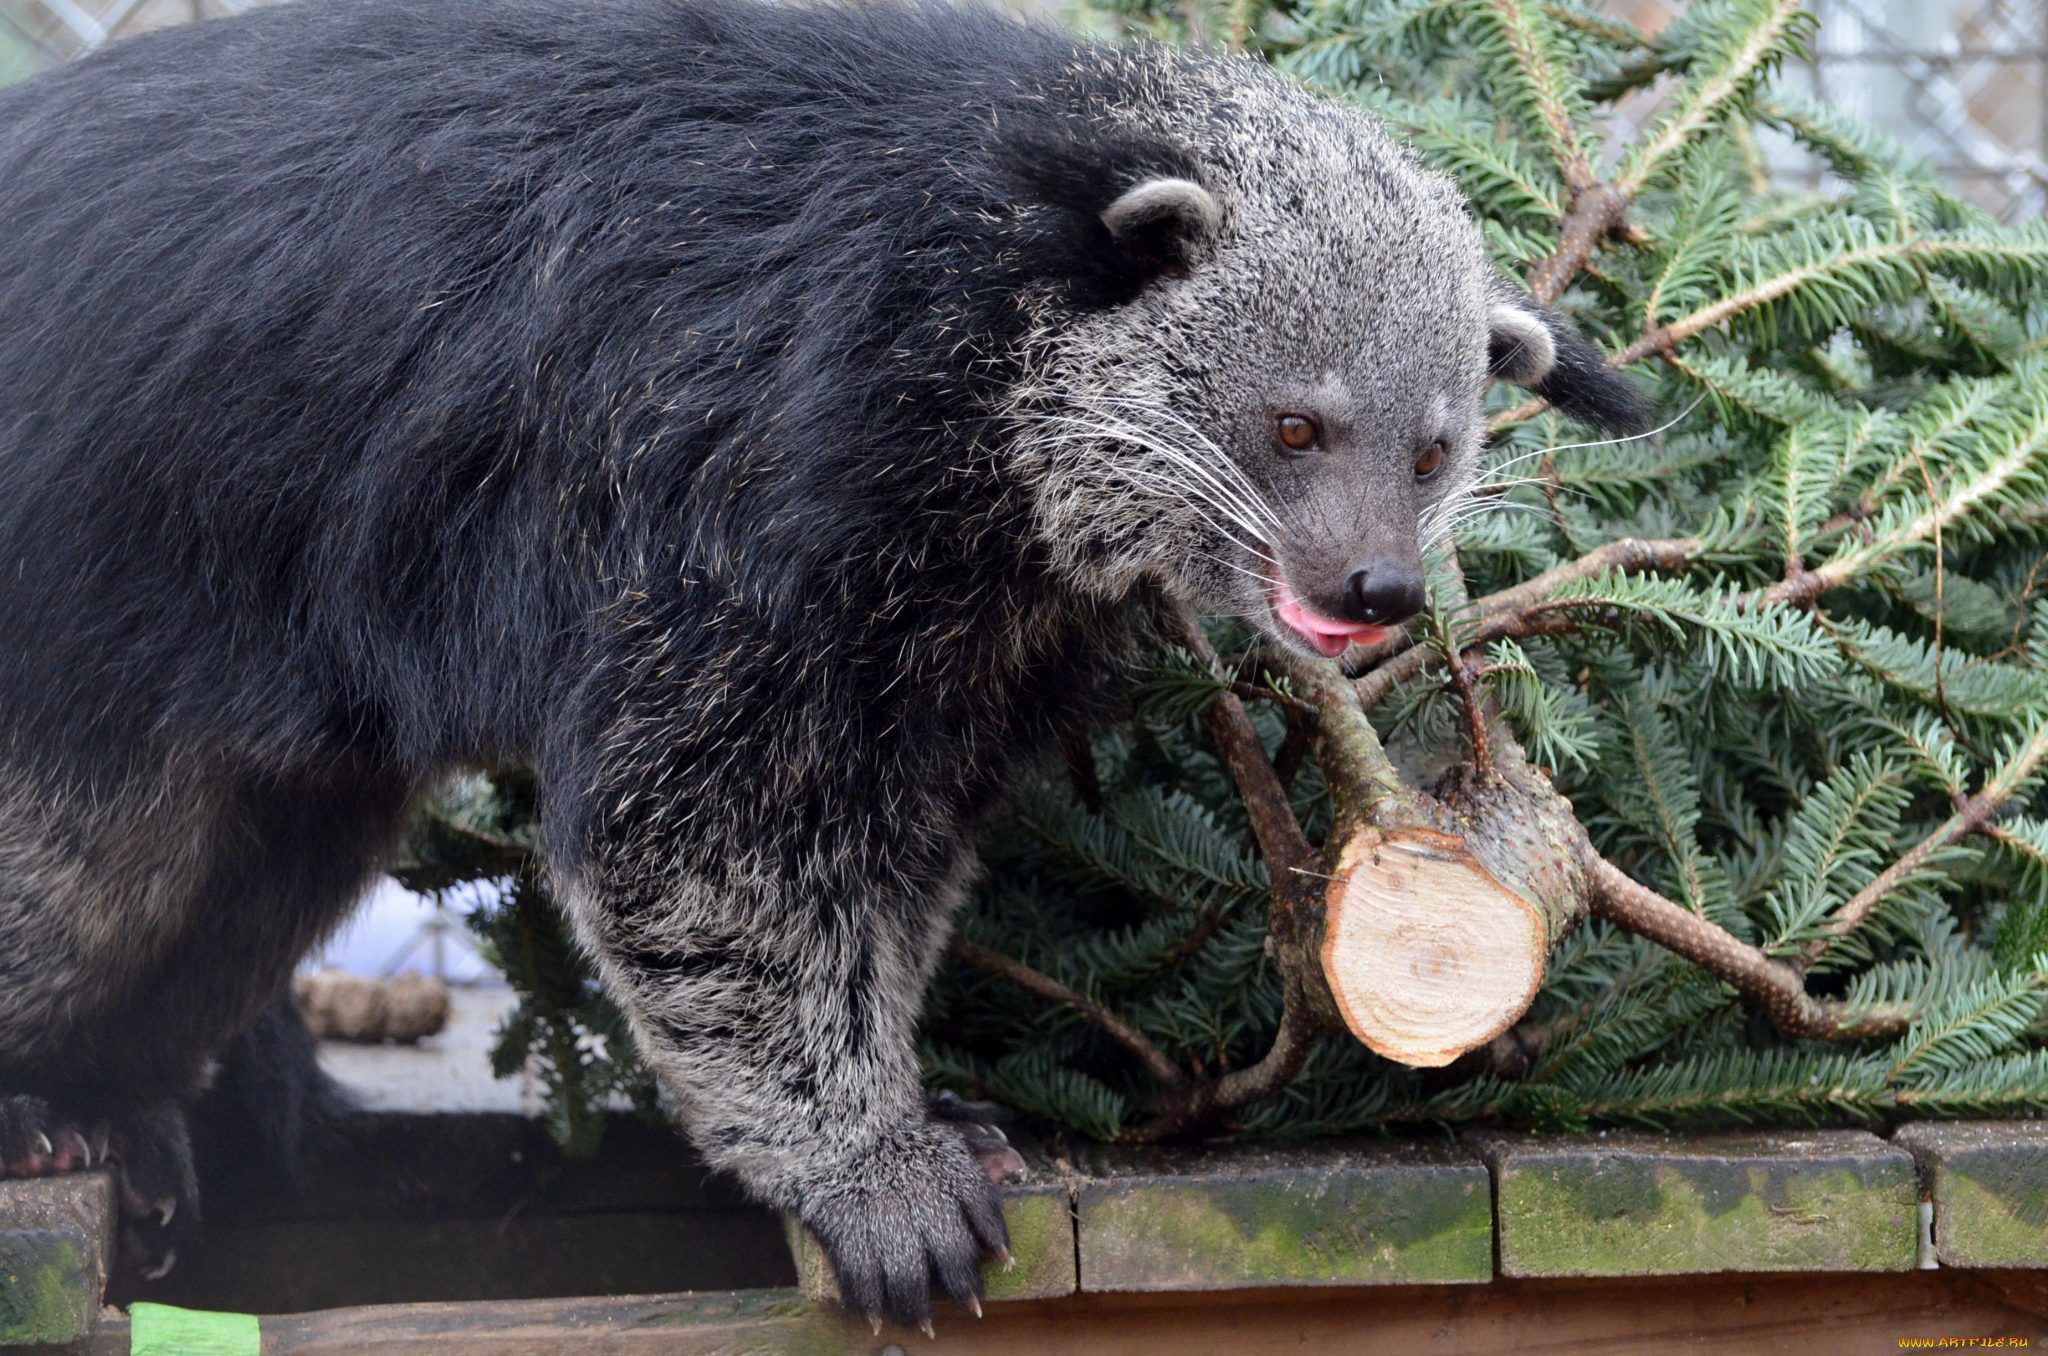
1987,1184
56,1237
1163,1237
1796,1314
1327,1215
1647,1205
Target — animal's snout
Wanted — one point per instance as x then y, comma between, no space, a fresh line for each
1383,592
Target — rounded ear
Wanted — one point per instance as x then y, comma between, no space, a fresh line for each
1534,348
1519,349
1165,223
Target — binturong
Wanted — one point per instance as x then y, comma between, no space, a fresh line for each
760,419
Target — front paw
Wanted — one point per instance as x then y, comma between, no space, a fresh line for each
915,1208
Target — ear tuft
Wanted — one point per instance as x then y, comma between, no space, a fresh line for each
1164,223
1533,348
1103,214
1519,349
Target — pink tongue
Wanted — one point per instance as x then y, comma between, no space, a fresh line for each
1327,636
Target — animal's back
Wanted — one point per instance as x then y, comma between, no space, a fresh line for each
330,288
358,357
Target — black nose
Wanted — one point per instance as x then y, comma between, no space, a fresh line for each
1382,592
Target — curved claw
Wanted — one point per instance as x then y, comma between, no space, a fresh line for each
903,1225
159,1194
35,1141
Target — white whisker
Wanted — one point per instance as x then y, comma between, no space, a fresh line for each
1487,492
1219,466
1666,427
1199,485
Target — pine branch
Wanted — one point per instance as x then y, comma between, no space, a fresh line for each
1601,210
1756,645
2018,468
1973,815
1203,1105
1045,986
1453,133
1598,211
1775,988
1851,148
1614,32
1524,28
1861,276
1755,46
1834,840
1281,840
1508,613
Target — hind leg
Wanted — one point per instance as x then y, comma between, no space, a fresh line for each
35,1141
148,1149
278,1093
139,932
151,1151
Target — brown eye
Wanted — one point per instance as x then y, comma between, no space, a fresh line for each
1431,457
1298,432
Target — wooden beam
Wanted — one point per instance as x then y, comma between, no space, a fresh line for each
56,1240
1630,1204
1266,1215
1987,1182
1786,1315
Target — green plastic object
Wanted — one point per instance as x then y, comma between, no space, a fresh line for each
165,1330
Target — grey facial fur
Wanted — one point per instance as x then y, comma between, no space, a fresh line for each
1342,280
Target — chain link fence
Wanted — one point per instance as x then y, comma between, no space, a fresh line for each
1963,82
39,33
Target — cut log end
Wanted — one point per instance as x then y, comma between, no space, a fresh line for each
1427,954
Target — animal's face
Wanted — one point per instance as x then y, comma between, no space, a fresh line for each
1271,427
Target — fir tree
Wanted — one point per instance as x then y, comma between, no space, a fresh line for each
563,1028
1787,658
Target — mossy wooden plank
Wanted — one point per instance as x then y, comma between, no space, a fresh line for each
1989,1184
1335,1214
1645,1205
53,1257
1039,1214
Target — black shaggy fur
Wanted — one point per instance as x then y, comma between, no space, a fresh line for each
1582,385
396,387
388,388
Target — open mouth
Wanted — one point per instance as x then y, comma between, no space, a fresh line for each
1327,636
